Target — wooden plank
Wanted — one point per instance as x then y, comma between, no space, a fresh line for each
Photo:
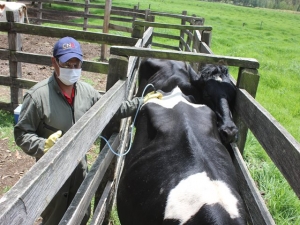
4,54
40,14
168,36
205,49
185,56
164,46
64,12
99,212
16,82
128,13
23,83
5,80
206,37
85,14
189,33
66,23
257,209
121,19
32,58
127,9
91,66
280,145
147,37
178,16
181,35
4,26
186,46
118,66
86,36
87,189
97,67
23,203
171,26
247,79
15,69
105,30
120,28
69,3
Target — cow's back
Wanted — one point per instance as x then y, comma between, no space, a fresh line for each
176,149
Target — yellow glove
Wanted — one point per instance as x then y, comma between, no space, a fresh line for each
52,140
153,94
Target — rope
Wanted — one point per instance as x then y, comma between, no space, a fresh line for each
132,125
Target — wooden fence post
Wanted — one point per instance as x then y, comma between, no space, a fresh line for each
183,21
247,79
39,13
138,31
86,12
206,37
15,69
106,27
136,7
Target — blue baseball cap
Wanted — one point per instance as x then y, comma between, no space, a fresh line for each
67,48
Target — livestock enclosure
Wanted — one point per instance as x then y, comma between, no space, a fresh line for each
24,203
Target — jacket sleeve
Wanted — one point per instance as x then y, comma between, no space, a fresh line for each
25,130
128,108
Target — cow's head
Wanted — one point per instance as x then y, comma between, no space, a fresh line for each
219,94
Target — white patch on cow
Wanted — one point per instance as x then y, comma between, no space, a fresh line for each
192,193
169,101
218,78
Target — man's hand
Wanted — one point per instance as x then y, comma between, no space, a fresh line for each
152,95
52,140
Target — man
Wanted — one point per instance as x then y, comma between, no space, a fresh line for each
51,108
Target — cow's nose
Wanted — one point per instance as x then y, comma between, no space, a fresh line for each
228,134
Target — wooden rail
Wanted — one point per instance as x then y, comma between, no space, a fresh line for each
185,56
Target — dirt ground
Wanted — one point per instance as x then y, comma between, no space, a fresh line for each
14,164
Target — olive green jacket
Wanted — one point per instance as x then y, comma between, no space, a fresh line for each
45,111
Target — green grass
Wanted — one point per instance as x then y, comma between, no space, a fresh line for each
5,189
6,129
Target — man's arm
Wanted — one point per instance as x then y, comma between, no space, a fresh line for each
25,130
128,108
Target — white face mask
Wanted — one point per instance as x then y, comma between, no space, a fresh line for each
69,76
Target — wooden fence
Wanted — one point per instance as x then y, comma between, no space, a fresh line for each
24,202
112,19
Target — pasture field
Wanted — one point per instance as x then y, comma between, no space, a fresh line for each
270,36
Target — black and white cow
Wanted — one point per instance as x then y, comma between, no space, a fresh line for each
178,171
212,87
